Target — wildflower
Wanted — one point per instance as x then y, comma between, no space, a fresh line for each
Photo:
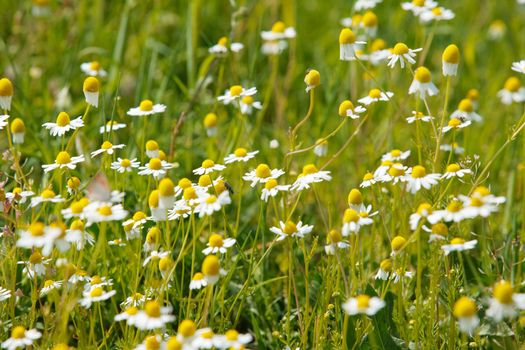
497,30
125,165
395,155
377,52
365,4
76,208
166,265
465,311
400,273
420,179
239,155
453,212
248,104
208,204
18,131
156,167
223,46
456,123
335,241
321,148
368,180
466,111
21,338
376,95
437,232
236,92
422,83
145,108
111,126
279,31
422,212
312,79
93,68
450,60
106,147
347,109
156,255
102,212
232,340
512,91
272,188
210,124
211,269
129,315
363,304
63,160
309,176
350,222
4,294
91,91
152,149
208,166
418,6
355,199
454,170
153,316
385,268
262,174
347,45
504,302
290,229
397,172
436,14
136,299
369,22
152,239
63,124
454,147
418,116
77,235
198,281
3,121
274,144
218,245
397,244
477,205
36,265
458,244
6,94
50,285
95,295
519,66
401,53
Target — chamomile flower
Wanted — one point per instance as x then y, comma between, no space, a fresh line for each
279,31
77,235
378,53
63,124
454,147
395,155
422,83
505,303
397,172
321,148
403,54
236,92
456,123
136,299
3,121
21,338
248,104
4,294
152,239
155,167
210,124
418,6
355,200
419,179
519,66
363,304
95,295
290,229
145,108
465,311
312,79
216,244
198,281
63,160
437,232
512,92
348,45
397,244
125,165
400,273
422,212
309,176
376,95
49,285
128,315
223,46
232,340
180,210
111,126
239,155
18,195
209,203
152,149
18,131
385,268
368,180
91,90
208,166
106,148
47,196
211,269
484,194
335,241
36,265
453,212
466,111
93,68
153,341
272,188
455,170
103,212
419,117
437,13
450,60
476,205
458,244
6,94
347,109
262,174
350,222
155,255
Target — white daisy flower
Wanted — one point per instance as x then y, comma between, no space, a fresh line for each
153,341
418,116
418,179
232,340
111,126
146,108
309,176
361,5
262,174
275,47
4,294
223,46
153,316
155,167
455,170
218,245
21,338
456,123
347,109
401,53
180,210
290,229
63,124
207,167
272,188
401,273
49,285
458,245
36,265
102,212
95,295
450,60
422,212
321,148
198,281
465,311
93,68
335,242
395,155
466,111
136,299
397,172
203,339
106,147
376,95
512,92
385,268
279,31
418,6
239,155
64,160
422,83
156,255
236,92
47,196
436,14
505,303
368,180
129,315
348,45
452,147
363,304
519,66
3,121
209,203
437,232
124,165
38,235
78,236
18,195
453,212
248,104
211,269
91,89
475,206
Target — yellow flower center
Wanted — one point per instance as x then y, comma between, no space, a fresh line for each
37,229
48,283
344,107
231,335
184,183
6,87
423,75
35,258
466,105
437,11
346,37
395,153
125,163
215,241
211,199
418,3
400,49
374,93
476,202
272,183
189,193
73,182
350,215
454,206
290,228
278,27
457,241
152,309
453,168
210,120
146,105
247,100
369,19
482,191
368,177
151,342
173,344
418,172
396,170
464,307
210,266
235,90
240,152
95,65
91,84
503,292
105,210
454,122
512,84
309,169
63,119
355,197
166,188
386,265
424,207
263,171
440,229
155,164
48,194
208,163
398,242
362,301
473,94
77,225
18,332
153,235
198,276
165,263
223,41
96,280
96,292
312,78
18,126
63,158
335,236
152,145
451,54
187,328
